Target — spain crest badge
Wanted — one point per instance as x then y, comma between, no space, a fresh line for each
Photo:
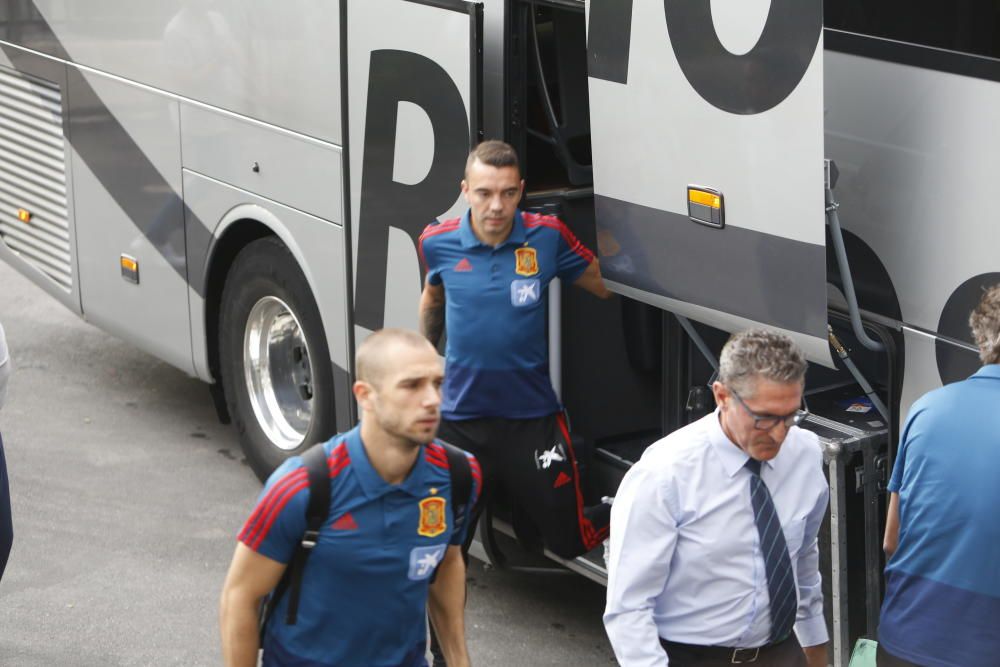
527,261
432,517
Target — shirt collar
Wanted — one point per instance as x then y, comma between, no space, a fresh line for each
991,371
371,482
733,457
470,240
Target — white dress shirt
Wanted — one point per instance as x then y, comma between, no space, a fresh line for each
685,561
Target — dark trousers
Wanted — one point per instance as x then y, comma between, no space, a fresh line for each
6,526
787,653
885,659
534,461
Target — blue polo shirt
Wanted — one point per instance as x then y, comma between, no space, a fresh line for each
364,589
497,361
942,599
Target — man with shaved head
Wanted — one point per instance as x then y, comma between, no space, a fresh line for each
389,548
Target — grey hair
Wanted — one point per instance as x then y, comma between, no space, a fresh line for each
757,353
985,324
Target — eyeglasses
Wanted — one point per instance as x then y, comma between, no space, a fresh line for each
767,422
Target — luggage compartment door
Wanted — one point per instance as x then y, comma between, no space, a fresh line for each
707,132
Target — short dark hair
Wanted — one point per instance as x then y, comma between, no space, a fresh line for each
985,324
374,354
494,154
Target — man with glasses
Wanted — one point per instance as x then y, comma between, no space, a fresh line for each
714,558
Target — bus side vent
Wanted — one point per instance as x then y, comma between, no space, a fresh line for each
33,210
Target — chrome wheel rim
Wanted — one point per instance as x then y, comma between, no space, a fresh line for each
278,372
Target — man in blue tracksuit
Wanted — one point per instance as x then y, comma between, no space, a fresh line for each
942,582
389,549
487,276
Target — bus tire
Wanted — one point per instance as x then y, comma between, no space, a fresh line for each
273,356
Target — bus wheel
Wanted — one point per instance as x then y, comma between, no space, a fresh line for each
274,358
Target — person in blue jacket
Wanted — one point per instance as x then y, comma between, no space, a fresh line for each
942,581
6,526
389,549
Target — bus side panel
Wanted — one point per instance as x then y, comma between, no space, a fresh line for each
293,169
918,153
214,208
126,168
35,174
274,60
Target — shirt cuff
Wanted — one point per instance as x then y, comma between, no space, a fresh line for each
811,631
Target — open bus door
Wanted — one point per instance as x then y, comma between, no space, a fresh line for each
707,128
707,132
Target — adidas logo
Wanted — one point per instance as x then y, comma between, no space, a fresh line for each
345,522
464,265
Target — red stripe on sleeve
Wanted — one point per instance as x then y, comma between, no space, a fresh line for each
434,230
265,502
338,455
435,453
265,508
568,236
338,468
272,517
439,464
440,228
477,471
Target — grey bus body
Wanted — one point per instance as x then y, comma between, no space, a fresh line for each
237,187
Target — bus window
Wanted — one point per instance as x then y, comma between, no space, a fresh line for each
965,26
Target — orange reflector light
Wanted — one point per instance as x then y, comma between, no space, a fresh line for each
704,198
23,215
706,206
130,269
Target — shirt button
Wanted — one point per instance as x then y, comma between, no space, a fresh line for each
494,268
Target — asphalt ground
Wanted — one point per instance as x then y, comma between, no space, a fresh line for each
127,494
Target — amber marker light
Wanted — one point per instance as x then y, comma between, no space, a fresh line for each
23,215
130,269
704,198
706,206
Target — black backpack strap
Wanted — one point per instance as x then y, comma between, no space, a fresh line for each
461,482
317,511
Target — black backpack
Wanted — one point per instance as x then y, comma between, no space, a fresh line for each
318,510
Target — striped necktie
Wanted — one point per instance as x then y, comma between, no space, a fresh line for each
777,565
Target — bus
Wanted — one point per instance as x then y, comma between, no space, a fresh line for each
237,187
